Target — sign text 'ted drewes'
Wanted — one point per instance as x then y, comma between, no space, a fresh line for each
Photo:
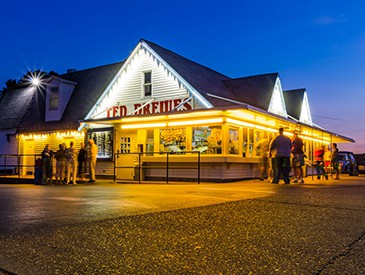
154,107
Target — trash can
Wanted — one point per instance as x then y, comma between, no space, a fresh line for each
38,171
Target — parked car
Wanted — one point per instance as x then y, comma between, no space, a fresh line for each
360,159
348,163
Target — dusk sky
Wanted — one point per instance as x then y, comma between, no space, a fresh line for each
317,45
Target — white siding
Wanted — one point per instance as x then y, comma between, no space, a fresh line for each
127,89
7,147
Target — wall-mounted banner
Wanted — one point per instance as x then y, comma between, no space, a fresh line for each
154,107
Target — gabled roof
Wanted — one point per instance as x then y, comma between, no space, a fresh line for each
90,85
203,79
219,89
294,100
254,90
13,107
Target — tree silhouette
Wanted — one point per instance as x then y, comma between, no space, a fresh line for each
24,81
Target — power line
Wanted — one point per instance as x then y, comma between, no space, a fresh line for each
339,119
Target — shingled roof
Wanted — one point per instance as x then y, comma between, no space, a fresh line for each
91,83
203,79
254,90
13,107
216,87
293,101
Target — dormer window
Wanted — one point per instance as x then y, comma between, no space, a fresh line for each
147,84
53,98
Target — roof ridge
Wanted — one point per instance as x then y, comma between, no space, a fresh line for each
92,68
182,57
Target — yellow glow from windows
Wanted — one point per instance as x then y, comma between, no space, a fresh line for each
242,123
316,139
196,122
261,119
242,114
196,114
144,125
260,127
140,119
47,135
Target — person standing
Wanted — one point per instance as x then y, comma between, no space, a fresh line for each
92,154
81,160
263,144
61,159
71,164
298,157
46,160
327,161
280,148
335,161
319,158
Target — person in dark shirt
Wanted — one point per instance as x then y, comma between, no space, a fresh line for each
280,148
81,160
298,157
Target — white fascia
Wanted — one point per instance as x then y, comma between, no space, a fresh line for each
108,88
180,79
279,96
305,114
145,46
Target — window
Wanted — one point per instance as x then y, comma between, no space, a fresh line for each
207,139
104,140
233,141
173,140
150,141
247,146
147,84
53,98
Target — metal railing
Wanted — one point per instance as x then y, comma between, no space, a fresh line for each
140,165
14,164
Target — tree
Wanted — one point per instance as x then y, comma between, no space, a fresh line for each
24,81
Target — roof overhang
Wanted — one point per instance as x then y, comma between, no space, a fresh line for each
242,115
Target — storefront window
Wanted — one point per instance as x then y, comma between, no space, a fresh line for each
150,141
233,141
259,135
104,140
207,140
247,146
173,140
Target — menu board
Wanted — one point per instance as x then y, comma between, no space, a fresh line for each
103,138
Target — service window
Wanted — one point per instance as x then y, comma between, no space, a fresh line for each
104,140
233,141
173,140
207,139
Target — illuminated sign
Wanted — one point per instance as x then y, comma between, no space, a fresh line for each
154,107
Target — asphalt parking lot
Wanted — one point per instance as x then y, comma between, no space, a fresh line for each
247,227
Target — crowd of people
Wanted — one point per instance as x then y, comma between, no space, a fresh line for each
71,165
281,155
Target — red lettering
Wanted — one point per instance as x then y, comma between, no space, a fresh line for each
187,104
176,102
154,107
136,106
146,109
115,111
164,106
108,112
123,110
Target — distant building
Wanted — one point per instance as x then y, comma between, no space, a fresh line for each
158,101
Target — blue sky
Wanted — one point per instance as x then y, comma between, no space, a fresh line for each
317,45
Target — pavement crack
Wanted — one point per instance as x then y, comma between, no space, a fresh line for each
343,253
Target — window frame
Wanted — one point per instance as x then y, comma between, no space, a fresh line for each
147,86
